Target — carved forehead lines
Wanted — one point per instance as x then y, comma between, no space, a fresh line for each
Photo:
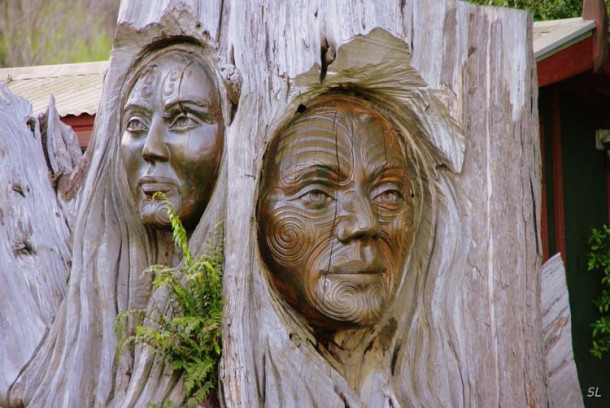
165,71
334,133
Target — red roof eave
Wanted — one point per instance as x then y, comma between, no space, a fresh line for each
588,54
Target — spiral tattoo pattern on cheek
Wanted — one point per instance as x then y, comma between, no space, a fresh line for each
289,238
397,231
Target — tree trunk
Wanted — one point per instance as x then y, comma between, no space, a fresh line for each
480,59
453,84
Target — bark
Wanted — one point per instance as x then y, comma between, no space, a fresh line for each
465,326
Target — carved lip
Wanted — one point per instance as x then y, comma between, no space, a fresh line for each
148,185
357,268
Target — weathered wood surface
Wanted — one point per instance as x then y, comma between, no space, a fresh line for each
479,325
75,365
35,226
65,160
482,58
564,387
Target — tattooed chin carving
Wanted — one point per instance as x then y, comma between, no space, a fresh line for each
335,215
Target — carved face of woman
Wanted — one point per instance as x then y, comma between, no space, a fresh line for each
172,139
336,215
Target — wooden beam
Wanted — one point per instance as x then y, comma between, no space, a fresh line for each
544,223
596,10
568,62
557,159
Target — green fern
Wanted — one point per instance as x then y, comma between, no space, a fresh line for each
190,340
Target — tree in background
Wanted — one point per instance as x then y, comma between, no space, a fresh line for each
39,32
541,9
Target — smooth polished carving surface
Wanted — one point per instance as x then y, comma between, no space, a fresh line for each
335,216
172,137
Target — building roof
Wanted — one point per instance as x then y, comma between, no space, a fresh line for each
553,36
77,88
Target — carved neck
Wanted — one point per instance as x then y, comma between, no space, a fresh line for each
356,353
346,351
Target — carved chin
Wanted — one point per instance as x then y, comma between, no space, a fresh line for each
355,300
154,213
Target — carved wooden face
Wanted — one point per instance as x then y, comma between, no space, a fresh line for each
336,215
173,137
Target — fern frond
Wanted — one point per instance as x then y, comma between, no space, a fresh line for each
191,340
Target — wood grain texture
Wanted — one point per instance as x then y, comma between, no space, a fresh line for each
480,60
35,243
564,387
75,365
65,161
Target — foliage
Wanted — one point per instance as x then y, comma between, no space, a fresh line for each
38,32
541,9
189,334
598,260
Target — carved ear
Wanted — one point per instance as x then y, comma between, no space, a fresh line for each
232,80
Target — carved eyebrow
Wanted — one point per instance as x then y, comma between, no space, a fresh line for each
323,171
203,109
132,106
172,104
377,172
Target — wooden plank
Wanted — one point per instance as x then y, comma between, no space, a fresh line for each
566,63
596,10
544,223
554,35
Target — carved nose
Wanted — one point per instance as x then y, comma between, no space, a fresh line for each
357,220
155,148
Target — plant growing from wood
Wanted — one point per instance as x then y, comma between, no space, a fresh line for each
598,260
188,334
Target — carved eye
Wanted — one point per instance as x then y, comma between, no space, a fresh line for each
184,121
387,195
316,198
136,125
